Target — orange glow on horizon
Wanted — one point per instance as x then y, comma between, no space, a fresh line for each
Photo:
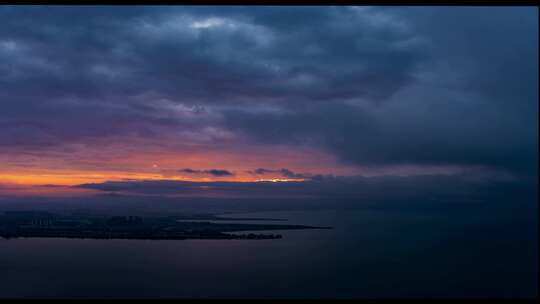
126,160
78,178
61,185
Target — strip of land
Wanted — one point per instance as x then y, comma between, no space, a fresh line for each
17,224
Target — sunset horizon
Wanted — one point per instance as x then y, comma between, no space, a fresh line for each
267,151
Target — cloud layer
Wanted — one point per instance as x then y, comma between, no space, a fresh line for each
465,188
371,86
214,172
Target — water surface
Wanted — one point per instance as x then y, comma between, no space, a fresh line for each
369,253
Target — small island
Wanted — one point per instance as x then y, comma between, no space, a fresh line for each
38,224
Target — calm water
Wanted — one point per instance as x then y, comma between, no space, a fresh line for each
369,253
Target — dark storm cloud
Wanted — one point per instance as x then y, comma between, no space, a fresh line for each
214,172
209,55
473,102
375,86
284,172
205,54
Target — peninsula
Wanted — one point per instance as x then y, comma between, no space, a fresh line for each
17,224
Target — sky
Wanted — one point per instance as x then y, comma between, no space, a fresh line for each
304,101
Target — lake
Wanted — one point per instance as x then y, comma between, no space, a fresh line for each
368,253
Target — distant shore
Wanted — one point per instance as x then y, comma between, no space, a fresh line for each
28,224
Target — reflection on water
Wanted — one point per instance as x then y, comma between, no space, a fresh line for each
366,254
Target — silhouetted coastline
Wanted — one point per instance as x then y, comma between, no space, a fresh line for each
32,224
